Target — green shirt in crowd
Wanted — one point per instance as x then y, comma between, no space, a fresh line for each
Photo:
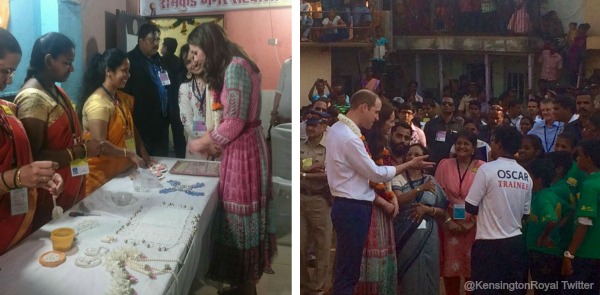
547,206
588,207
575,178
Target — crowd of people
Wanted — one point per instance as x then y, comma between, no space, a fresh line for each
59,151
411,194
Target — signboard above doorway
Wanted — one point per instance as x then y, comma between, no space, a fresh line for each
179,7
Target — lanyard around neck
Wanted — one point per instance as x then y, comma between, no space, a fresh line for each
461,178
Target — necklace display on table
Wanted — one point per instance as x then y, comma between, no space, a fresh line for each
160,227
178,187
118,260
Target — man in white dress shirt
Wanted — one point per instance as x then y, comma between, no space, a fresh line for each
349,169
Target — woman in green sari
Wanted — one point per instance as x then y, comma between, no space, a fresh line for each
421,200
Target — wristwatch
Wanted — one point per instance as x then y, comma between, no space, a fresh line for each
568,254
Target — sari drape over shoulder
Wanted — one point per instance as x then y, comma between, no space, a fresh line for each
14,145
34,103
103,168
418,248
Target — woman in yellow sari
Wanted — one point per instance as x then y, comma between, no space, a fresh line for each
51,123
106,114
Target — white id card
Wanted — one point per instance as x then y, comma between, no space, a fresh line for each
80,167
164,78
19,202
440,136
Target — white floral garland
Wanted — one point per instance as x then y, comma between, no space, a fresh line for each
116,262
350,125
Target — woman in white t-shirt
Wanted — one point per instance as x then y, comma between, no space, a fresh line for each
194,103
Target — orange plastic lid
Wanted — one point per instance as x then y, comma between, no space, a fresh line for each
52,259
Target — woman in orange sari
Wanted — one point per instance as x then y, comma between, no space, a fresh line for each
51,123
106,114
17,168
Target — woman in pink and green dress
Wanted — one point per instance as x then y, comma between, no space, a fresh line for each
243,244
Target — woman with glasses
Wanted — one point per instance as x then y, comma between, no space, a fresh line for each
106,114
422,201
51,122
194,104
19,174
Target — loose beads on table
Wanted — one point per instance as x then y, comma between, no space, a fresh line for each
188,189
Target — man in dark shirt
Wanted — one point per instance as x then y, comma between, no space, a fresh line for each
441,131
564,110
495,119
147,85
173,67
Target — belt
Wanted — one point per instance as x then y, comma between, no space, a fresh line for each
252,124
353,201
310,192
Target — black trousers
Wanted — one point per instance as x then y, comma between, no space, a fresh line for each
498,261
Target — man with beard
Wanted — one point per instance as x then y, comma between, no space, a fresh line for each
147,84
400,141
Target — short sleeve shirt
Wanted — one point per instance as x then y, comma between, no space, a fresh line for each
502,190
588,207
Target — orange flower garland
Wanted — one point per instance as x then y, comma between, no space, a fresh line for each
380,188
216,105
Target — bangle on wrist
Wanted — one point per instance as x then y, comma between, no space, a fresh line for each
448,220
70,154
18,183
15,178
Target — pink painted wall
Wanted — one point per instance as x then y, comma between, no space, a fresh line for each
252,28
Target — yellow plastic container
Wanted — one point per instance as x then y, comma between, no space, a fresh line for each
62,239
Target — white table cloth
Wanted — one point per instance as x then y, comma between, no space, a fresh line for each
21,273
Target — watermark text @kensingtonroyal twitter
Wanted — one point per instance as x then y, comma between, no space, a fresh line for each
533,285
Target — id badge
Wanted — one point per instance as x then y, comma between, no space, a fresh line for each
164,78
19,202
440,136
130,144
80,167
459,212
199,124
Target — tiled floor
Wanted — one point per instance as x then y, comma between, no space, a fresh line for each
279,283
